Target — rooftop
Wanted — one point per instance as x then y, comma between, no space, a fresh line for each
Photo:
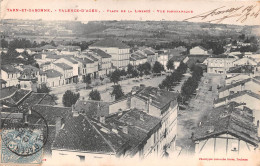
229,119
92,108
241,69
10,69
101,53
70,59
15,98
53,73
110,43
64,66
160,98
84,60
136,56
235,95
239,83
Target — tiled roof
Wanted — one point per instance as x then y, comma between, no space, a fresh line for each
241,69
110,43
228,119
50,113
79,134
53,73
7,91
64,66
136,56
235,95
10,69
201,48
237,84
84,60
160,98
70,59
53,56
16,98
101,53
68,48
148,52
92,108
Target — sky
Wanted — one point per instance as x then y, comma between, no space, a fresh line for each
106,10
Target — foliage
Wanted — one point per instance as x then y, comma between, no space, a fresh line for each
115,76
43,89
69,98
130,69
158,67
95,95
170,65
117,91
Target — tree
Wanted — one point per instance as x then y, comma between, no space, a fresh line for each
115,76
69,98
43,89
158,67
130,69
95,95
117,92
87,80
170,65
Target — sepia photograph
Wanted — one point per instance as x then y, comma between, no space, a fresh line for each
130,82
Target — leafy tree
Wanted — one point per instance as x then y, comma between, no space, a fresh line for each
135,73
123,73
95,95
87,80
115,76
158,67
4,43
130,69
117,91
69,98
170,65
43,89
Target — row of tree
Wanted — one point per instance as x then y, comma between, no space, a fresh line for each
191,84
171,80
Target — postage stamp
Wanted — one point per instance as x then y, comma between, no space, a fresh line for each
23,141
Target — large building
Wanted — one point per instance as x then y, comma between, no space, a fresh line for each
119,51
198,50
10,74
219,64
227,131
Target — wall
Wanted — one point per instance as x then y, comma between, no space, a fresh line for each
115,106
10,78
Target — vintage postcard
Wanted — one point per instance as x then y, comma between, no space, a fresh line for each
127,82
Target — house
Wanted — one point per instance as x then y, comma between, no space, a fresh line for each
255,56
176,60
54,78
68,50
137,59
161,104
219,64
119,51
87,67
41,75
245,61
66,71
227,131
252,84
151,54
71,62
87,139
236,77
244,69
104,61
163,59
10,74
198,50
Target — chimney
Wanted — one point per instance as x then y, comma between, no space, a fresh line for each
125,129
102,119
120,112
200,123
257,124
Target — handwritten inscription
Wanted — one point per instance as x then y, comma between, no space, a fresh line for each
218,15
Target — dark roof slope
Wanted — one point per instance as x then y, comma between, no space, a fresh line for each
101,53
228,119
10,69
80,135
238,83
110,43
160,98
53,73
64,66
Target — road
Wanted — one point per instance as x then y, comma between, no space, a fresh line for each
197,108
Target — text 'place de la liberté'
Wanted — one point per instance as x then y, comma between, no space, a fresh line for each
125,89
